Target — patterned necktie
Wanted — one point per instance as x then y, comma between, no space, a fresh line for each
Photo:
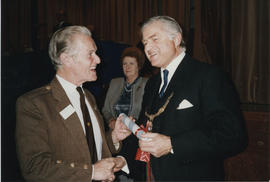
165,82
88,127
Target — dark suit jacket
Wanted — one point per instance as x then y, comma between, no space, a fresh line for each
49,147
202,136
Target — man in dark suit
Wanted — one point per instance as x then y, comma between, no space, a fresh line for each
193,106
60,132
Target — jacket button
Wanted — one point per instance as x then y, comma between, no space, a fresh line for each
85,166
72,165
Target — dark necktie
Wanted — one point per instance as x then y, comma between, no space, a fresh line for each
165,82
88,127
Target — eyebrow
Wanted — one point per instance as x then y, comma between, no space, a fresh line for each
150,37
93,49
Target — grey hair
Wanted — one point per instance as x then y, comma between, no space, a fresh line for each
62,40
170,25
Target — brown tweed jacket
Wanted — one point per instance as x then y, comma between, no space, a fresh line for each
49,147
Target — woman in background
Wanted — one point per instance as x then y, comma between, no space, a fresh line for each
125,96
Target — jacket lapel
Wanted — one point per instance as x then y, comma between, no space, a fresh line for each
178,79
92,102
95,110
72,123
154,99
117,95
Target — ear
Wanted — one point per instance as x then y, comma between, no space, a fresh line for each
65,59
177,40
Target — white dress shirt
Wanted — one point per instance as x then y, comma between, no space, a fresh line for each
74,98
171,68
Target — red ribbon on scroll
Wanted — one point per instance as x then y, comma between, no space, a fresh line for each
141,155
144,156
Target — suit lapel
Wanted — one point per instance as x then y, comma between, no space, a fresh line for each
72,123
105,147
179,79
154,99
95,109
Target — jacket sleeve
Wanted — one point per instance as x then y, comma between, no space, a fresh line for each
34,152
148,94
106,110
111,146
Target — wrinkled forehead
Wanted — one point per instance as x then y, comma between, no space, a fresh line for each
153,29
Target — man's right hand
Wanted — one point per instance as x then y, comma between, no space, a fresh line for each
103,170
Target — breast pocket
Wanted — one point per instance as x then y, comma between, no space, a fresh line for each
181,119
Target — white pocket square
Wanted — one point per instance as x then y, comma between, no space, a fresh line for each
184,104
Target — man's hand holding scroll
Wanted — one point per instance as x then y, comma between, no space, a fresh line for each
155,143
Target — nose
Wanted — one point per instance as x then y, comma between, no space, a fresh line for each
147,47
127,66
97,59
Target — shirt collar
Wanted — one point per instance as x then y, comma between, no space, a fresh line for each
173,65
68,86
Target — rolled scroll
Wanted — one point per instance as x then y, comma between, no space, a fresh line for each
132,126
137,131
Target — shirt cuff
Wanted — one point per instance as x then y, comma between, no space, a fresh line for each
125,167
117,145
93,170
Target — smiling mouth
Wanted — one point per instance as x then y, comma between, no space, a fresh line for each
152,55
93,68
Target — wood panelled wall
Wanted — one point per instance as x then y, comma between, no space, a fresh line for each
231,34
116,20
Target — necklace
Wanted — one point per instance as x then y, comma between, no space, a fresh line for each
161,110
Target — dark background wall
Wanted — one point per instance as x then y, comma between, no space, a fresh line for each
233,34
